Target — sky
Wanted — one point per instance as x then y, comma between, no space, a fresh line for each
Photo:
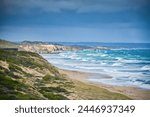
75,20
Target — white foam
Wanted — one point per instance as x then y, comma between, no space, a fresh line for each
146,67
122,74
117,64
103,55
129,61
130,48
121,82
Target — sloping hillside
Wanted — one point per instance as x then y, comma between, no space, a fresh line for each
8,44
26,75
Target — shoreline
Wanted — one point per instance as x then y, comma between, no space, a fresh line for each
131,92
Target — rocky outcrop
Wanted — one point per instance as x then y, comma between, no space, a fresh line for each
37,46
46,48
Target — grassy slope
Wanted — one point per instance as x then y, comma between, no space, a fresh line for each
91,92
7,44
26,75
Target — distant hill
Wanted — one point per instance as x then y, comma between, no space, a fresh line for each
8,44
40,42
33,42
44,47
36,46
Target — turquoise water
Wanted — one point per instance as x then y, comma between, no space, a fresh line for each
127,66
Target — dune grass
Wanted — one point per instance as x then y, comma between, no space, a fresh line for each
91,92
16,83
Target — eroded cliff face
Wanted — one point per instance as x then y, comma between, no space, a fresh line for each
46,48
37,47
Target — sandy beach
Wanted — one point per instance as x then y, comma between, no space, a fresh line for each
81,78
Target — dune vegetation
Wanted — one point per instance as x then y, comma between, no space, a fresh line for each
26,75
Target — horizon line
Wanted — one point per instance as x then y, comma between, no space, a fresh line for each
75,41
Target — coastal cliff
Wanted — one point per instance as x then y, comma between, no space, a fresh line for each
37,46
45,48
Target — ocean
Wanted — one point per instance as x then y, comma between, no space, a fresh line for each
128,64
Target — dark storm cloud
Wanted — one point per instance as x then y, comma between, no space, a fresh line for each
125,20
76,5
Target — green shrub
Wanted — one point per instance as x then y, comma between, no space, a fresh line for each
53,89
50,78
53,96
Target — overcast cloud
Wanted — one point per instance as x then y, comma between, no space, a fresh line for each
76,5
75,20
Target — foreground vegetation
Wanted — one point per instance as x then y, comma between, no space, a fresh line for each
26,75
